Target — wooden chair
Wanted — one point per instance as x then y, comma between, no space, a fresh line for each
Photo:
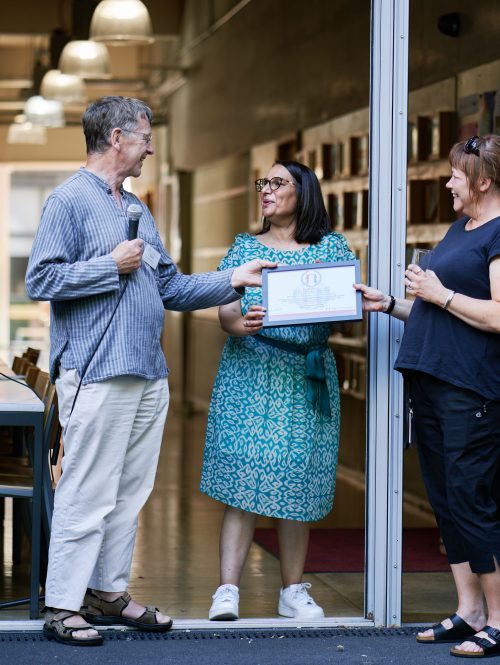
31,375
10,437
32,355
29,358
14,461
18,364
42,384
39,381
16,481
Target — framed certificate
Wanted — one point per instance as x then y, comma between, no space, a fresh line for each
311,293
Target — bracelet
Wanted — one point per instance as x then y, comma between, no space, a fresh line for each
391,305
450,297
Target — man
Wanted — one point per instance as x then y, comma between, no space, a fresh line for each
107,300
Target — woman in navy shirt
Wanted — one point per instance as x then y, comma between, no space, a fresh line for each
450,353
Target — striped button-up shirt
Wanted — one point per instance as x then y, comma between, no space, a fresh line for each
71,265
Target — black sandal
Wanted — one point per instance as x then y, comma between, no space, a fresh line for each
55,629
488,648
459,631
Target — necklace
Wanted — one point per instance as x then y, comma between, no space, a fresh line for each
473,224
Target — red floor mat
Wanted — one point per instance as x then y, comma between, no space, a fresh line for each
342,550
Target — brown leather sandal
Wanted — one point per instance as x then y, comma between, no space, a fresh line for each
54,628
106,613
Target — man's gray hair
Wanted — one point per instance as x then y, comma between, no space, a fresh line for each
103,115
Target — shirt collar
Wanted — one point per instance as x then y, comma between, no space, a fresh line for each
100,181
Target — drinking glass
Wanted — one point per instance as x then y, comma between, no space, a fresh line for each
421,257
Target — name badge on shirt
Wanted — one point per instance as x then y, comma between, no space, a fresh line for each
150,256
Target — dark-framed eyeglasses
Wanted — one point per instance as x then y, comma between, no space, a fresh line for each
471,146
147,138
274,183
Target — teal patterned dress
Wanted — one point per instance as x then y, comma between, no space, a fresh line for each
268,450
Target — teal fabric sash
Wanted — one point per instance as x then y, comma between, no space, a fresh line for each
317,390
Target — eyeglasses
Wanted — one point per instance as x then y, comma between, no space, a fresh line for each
147,138
274,183
471,146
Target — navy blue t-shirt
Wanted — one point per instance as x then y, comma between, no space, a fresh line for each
437,342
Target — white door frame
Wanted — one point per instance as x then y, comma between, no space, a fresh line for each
387,241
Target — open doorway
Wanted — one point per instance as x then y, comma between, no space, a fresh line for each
335,566
459,100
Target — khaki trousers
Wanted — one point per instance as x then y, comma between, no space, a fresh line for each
111,448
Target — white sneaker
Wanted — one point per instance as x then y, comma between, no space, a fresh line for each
296,602
225,603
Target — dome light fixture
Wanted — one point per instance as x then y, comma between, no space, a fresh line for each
120,22
24,132
65,88
86,59
42,112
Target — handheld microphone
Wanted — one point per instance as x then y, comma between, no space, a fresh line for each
134,213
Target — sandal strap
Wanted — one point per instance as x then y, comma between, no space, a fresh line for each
56,621
95,607
61,615
106,607
149,615
494,633
460,628
484,643
476,640
458,622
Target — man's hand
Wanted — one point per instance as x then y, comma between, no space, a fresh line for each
250,274
128,255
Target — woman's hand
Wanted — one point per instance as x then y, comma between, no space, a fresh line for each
373,299
425,284
252,321
234,323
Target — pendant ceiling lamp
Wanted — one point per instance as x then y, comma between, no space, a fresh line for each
121,22
86,59
65,88
44,112
24,132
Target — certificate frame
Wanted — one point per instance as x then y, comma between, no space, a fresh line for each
279,312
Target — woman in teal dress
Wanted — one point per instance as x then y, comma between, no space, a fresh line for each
273,433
